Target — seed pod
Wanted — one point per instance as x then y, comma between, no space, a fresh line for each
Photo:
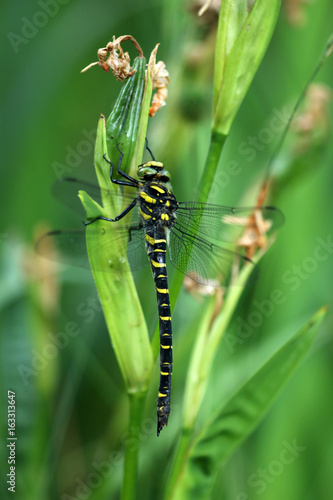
123,122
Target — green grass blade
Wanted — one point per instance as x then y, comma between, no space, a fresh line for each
243,36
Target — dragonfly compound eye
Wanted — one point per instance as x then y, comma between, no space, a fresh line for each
144,172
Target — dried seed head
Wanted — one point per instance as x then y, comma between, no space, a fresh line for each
118,60
254,236
160,82
113,57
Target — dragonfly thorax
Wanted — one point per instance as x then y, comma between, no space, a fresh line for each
158,204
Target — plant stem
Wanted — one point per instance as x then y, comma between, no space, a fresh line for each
132,445
178,464
217,142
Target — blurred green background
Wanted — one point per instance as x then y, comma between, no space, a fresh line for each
55,350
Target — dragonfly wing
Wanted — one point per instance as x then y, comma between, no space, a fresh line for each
69,247
66,247
66,192
201,260
224,223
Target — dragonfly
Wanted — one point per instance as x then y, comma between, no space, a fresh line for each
189,232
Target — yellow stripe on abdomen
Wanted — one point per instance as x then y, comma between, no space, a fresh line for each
157,264
149,239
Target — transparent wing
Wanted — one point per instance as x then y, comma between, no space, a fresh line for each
66,192
204,238
200,259
222,223
69,247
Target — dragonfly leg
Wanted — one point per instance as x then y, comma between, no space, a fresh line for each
123,174
149,150
120,216
133,182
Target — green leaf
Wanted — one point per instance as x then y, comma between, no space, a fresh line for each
234,422
92,208
243,36
143,121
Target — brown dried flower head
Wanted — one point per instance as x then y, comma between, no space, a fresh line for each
113,57
118,60
160,82
254,236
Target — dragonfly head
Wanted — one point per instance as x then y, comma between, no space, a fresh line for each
153,170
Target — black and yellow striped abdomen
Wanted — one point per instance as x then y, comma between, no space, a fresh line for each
156,247
157,207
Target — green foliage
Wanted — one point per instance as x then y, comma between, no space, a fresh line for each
243,34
